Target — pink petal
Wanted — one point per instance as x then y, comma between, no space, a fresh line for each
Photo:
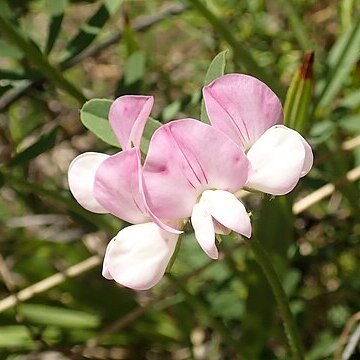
277,160
242,107
204,230
186,157
81,177
117,187
138,256
170,225
227,210
128,115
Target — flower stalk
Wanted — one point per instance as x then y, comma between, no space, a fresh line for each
291,330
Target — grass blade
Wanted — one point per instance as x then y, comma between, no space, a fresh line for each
342,58
45,143
19,39
242,57
56,10
91,29
297,24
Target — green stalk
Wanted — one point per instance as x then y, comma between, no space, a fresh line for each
241,55
299,96
38,59
200,307
297,24
262,258
17,182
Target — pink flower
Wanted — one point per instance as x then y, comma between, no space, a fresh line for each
192,170
138,255
248,111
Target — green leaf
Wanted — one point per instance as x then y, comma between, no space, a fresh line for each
352,100
184,104
134,73
17,74
297,24
10,51
22,41
23,119
350,123
16,336
215,70
89,31
343,56
94,115
51,315
347,12
56,10
134,68
45,143
130,40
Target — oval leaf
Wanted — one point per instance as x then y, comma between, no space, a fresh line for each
94,115
215,70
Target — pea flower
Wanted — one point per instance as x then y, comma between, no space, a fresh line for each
192,170
248,111
138,255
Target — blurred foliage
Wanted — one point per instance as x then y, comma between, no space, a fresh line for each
56,54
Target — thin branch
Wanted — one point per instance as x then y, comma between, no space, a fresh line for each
351,144
50,282
345,334
352,343
95,260
323,192
139,25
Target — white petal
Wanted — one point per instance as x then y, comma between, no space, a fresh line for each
105,270
204,230
81,177
277,161
224,207
309,158
138,255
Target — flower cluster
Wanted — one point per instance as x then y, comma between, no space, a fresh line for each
192,170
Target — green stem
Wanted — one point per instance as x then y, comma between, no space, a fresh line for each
262,258
241,55
200,307
17,182
54,75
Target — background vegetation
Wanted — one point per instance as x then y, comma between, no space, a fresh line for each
53,301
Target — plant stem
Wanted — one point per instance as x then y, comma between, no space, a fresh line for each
16,37
262,258
241,55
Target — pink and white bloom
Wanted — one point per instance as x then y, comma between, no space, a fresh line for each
192,170
248,111
138,255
